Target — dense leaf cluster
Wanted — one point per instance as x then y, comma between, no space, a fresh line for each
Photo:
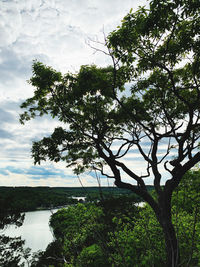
117,232
14,200
32,198
157,50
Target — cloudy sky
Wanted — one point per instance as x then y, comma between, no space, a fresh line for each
55,32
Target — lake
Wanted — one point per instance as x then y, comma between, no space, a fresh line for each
35,230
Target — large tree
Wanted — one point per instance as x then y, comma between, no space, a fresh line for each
156,50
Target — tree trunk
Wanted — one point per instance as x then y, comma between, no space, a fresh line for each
162,210
171,245
171,242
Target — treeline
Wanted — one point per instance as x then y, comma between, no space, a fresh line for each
114,231
32,198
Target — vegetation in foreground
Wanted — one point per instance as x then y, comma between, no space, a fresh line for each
114,232
157,51
118,233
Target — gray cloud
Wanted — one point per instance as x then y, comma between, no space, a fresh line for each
6,117
35,172
5,134
10,105
53,32
12,65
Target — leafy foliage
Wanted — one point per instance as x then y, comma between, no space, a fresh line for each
81,232
15,199
117,232
12,251
157,50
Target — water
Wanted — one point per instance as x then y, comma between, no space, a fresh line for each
141,204
79,198
35,230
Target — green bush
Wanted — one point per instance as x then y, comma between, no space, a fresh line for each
92,256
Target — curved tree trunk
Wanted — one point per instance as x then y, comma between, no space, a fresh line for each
163,214
171,242
162,210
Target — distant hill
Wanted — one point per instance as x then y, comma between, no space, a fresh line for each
32,198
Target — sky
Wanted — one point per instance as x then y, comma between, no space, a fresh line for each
56,32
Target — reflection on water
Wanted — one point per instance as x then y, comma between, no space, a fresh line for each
35,230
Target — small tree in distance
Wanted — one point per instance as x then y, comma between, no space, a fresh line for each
157,49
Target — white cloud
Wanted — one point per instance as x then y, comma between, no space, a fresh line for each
55,32
10,23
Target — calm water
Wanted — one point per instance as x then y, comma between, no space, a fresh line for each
35,230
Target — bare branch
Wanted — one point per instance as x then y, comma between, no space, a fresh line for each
126,151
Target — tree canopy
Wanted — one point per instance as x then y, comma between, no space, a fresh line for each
118,232
156,49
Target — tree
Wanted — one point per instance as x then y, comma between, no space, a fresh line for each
8,214
157,50
12,251
110,232
82,233
186,209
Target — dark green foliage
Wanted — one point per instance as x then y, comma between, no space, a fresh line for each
10,251
31,198
186,204
118,233
158,51
92,256
51,257
81,231
8,214
187,196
